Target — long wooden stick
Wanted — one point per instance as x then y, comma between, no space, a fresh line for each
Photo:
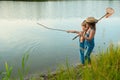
51,28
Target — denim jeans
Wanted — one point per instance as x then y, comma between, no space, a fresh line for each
82,59
88,50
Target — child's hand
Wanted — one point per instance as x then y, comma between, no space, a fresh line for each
81,33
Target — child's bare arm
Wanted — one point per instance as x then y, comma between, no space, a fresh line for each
92,33
73,31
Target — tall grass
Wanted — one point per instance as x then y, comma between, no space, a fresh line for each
105,66
7,73
66,72
23,70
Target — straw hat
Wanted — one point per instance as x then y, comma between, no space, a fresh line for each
91,20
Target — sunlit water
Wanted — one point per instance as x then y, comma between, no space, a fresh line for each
48,49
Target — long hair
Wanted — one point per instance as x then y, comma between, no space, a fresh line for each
92,25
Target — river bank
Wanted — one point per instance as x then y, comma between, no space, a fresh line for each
106,65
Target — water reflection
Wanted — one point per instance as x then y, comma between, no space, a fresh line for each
63,9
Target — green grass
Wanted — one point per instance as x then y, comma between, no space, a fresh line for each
8,72
22,71
105,66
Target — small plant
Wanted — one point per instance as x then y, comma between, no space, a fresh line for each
8,72
23,71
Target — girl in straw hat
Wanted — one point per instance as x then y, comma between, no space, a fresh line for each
81,40
89,37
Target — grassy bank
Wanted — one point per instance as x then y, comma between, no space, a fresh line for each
105,66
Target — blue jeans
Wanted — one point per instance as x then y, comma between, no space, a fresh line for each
82,59
89,48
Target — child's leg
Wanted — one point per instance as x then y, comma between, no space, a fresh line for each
82,52
88,53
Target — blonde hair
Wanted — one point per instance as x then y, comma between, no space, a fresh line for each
84,23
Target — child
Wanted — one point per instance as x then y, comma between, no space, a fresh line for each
89,37
81,39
